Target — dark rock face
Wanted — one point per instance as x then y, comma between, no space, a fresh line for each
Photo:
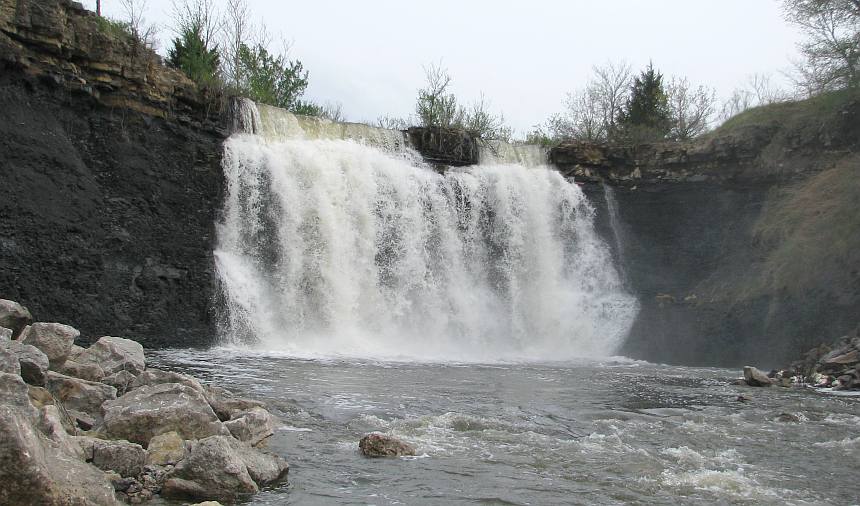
444,146
111,175
736,245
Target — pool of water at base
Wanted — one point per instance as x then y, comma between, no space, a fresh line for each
611,431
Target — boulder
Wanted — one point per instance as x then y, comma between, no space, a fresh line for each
165,449
151,410
756,378
9,362
158,377
35,469
114,354
54,339
54,424
224,469
125,458
78,394
251,426
226,405
33,363
123,381
212,470
5,334
848,358
14,316
381,445
89,372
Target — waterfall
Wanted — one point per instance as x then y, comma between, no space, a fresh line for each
335,240
614,224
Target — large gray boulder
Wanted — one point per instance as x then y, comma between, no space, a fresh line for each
54,339
33,468
149,411
14,316
89,371
252,426
123,381
124,458
223,469
33,363
226,405
114,354
9,362
382,445
5,334
157,377
756,378
80,395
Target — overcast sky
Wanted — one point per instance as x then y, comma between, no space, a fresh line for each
523,55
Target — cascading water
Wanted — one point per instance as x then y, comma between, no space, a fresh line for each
351,247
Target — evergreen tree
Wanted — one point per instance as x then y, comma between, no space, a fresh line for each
273,80
646,115
191,55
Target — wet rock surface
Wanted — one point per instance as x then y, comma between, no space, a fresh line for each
381,445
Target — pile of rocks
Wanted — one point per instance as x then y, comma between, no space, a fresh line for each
836,366
96,426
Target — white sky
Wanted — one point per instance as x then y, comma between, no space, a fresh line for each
524,55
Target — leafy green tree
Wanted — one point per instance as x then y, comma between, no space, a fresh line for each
273,80
190,54
646,115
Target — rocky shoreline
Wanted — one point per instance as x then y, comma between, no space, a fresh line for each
97,426
835,366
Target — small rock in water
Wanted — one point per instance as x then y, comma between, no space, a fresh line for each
788,418
756,378
381,445
742,398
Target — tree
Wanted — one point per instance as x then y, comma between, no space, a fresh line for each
236,34
590,114
758,90
436,107
690,108
646,115
480,122
832,51
194,51
273,80
142,32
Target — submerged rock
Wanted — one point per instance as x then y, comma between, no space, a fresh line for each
149,411
381,445
756,378
14,317
54,339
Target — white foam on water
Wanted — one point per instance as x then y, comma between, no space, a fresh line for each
339,244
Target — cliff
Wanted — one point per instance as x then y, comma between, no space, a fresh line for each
111,179
743,245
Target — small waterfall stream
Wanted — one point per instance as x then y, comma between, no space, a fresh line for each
336,240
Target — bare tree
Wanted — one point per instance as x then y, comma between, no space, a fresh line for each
691,108
142,31
198,16
591,113
237,29
480,121
759,89
832,51
392,122
436,106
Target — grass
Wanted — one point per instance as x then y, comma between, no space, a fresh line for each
817,107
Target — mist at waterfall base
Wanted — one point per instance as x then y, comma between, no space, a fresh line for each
472,314
332,247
